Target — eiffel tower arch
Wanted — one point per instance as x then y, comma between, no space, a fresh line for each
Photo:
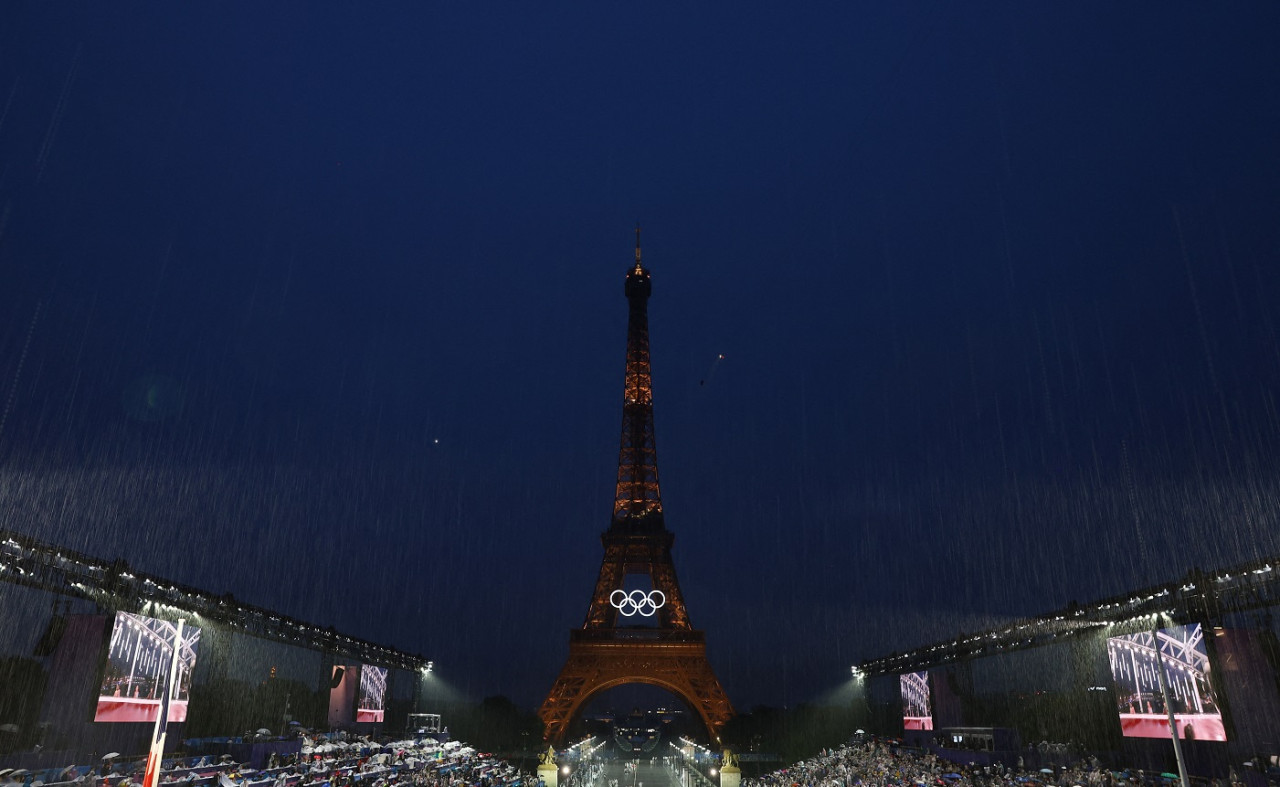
609,649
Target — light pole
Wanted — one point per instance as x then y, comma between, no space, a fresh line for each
1164,691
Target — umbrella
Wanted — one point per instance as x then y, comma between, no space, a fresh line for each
1046,770
111,755
6,770
264,731
19,772
1169,775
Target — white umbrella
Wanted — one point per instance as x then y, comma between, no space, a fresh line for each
264,731
111,755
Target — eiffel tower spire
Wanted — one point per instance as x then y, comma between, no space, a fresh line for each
637,503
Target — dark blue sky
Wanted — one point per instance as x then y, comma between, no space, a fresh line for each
995,285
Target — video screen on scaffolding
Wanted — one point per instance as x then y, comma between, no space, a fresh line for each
1134,660
139,658
917,710
373,693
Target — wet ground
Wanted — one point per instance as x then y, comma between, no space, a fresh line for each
646,774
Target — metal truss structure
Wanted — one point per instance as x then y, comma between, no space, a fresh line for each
602,654
1200,597
115,585
637,501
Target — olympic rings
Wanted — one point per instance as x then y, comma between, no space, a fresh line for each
637,601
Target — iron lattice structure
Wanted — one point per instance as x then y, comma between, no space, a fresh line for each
637,503
603,654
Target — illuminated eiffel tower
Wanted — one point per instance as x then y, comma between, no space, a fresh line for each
603,654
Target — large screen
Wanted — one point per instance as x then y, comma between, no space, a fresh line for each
373,692
1134,661
917,713
137,671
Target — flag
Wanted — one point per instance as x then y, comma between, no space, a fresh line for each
151,777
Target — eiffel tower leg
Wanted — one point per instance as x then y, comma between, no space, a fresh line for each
673,614
612,570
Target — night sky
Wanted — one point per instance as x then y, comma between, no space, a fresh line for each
321,304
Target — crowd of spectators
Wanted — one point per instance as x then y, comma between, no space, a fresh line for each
879,764
355,763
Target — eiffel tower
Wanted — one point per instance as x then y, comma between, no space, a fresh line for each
606,652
